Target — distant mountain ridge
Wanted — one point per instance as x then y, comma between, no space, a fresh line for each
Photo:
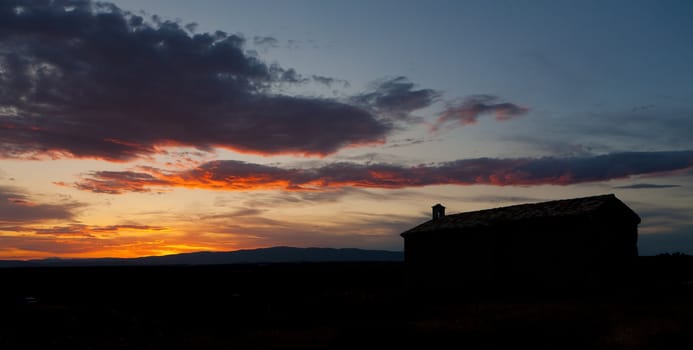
249,256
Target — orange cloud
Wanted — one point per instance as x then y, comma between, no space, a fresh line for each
233,175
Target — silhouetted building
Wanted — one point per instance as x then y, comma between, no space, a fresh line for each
562,239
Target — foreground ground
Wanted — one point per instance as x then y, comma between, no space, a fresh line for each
331,305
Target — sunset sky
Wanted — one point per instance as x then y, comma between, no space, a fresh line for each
150,127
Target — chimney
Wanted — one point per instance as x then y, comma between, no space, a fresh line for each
438,211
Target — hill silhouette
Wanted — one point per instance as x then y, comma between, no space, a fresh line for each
247,256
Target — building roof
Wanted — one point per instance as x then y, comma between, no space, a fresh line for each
553,209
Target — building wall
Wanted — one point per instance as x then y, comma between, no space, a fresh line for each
546,249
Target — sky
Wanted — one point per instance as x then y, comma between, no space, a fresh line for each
151,127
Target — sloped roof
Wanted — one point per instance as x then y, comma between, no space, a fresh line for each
553,209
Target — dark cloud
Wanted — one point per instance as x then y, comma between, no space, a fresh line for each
191,27
645,186
288,75
468,111
409,142
83,79
330,82
114,182
265,41
231,175
70,230
396,98
17,206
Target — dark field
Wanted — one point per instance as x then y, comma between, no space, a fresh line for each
335,305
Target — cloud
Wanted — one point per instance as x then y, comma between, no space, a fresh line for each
664,228
666,126
410,141
295,199
329,82
114,228
558,146
396,98
78,240
645,186
468,111
17,206
503,199
352,229
265,41
89,230
642,108
676,241
240,212
657,219
232,175
89,80
114,182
